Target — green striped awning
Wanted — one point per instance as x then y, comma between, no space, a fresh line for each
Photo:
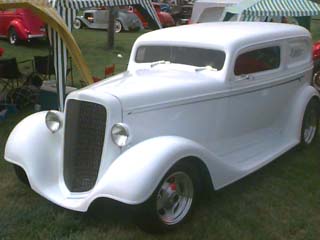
288,8
67,9
275,8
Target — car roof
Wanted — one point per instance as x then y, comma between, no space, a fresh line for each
224,35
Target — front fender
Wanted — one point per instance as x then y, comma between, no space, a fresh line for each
34,148
134,175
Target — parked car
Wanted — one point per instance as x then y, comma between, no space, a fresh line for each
21,25
99,18
164,7
316,67
194,111
165,18
182,13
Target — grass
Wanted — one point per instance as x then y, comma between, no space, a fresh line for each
93,45
280,201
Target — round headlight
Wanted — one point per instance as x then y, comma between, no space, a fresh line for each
53,121
120,134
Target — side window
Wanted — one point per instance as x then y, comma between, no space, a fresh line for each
257,61
299,52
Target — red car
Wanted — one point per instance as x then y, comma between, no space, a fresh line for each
316,51
21,25
1,51
165,18
316,69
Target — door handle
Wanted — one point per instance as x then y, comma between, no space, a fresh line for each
245,77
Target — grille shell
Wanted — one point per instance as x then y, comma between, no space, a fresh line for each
83,144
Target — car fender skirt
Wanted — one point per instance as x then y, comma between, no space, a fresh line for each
134,175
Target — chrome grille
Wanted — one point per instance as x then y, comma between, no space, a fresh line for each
85,126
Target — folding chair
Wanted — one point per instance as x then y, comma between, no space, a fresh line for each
44,65
10,75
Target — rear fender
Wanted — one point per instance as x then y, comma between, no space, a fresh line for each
19,28
299,107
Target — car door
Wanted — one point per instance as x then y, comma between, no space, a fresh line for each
102,18
258,97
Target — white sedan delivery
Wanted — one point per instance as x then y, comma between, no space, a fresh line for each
199,106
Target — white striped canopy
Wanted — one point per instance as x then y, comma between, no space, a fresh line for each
67,9
251,9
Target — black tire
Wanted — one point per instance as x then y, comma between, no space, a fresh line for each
310,124
77,24
21,175
13,36
151,217
316,75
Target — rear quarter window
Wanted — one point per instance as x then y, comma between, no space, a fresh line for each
299,52
258,60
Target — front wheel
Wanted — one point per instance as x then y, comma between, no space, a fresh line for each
21,175
171,203
13,36
310,123
77,24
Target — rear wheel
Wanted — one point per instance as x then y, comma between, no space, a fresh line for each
117,26
310,123
316,75
13,36
172,202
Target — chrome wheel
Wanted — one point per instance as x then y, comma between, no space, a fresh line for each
117,26
316,80
77,24
13,38
174,198
310,125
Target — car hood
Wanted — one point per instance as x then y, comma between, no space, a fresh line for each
155,87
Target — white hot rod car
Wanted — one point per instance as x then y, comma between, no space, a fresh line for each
205,103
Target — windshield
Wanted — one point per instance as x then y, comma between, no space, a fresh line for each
198,57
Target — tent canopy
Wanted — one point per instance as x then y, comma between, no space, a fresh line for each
59,14
250,9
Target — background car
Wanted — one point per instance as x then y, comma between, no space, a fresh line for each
316,71
99,18
165,18
21,25
165,7
182,13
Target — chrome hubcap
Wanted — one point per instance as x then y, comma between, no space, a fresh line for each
310,128
76,24
13,38
174,198
117,26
